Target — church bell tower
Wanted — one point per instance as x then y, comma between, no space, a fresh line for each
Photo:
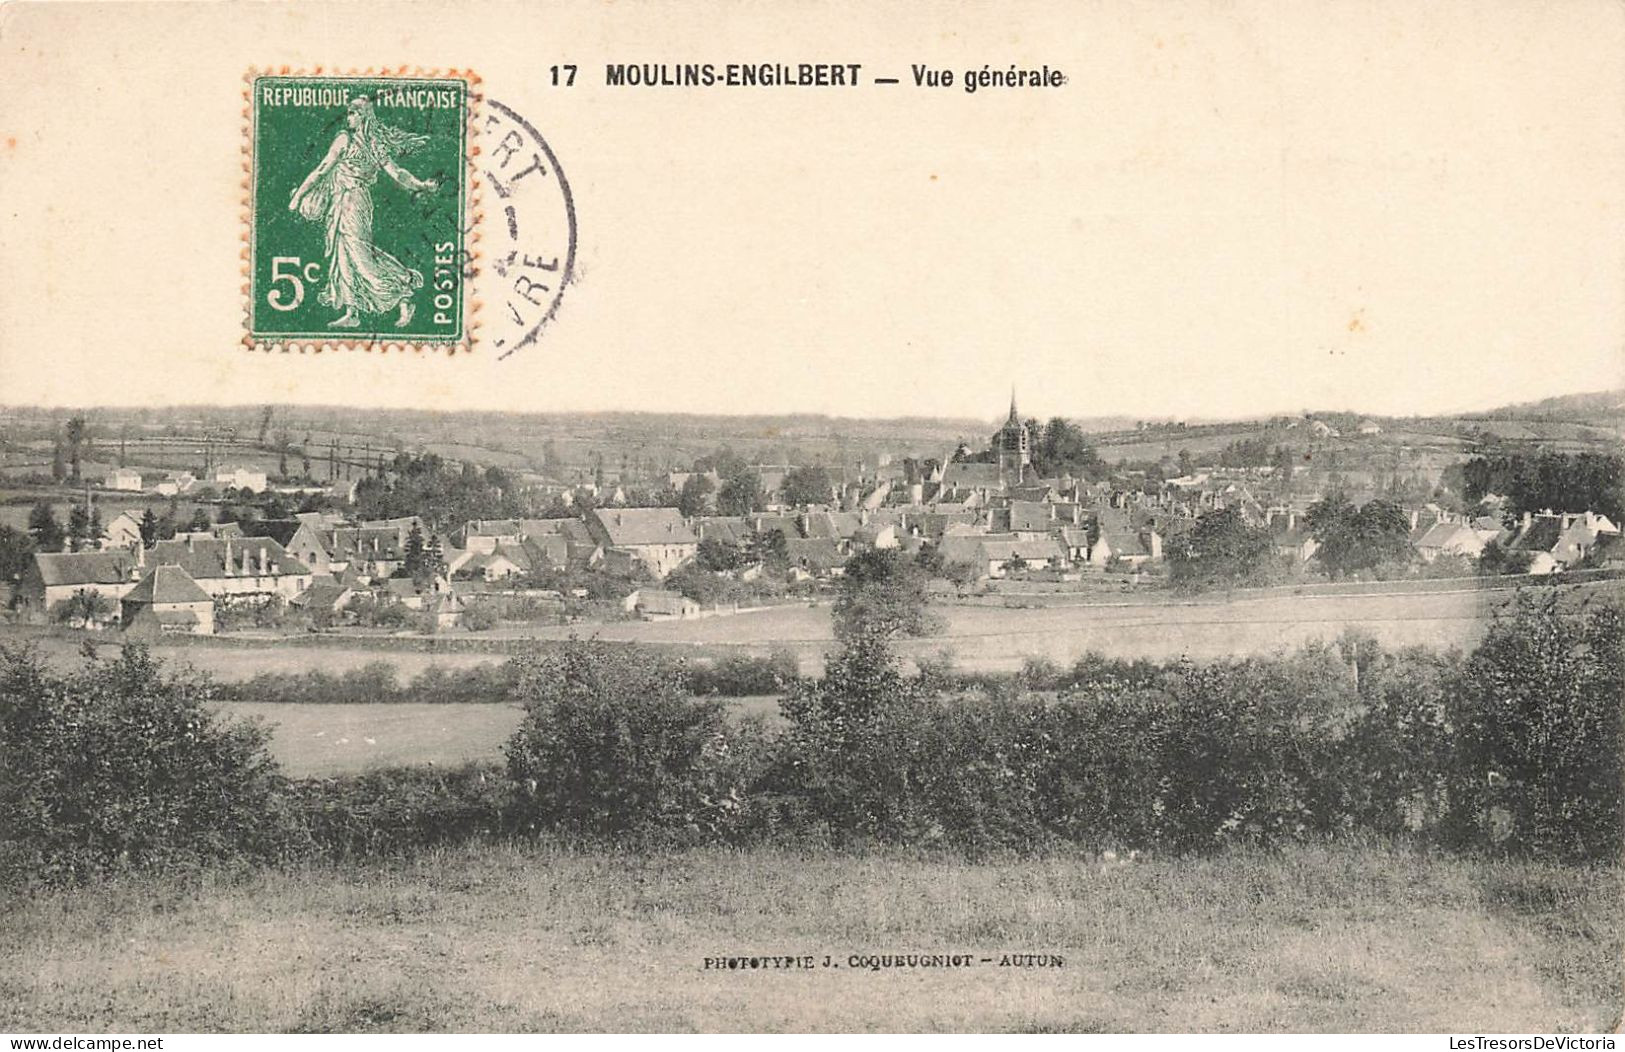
1013,445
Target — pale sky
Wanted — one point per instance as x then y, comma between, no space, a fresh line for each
1230,209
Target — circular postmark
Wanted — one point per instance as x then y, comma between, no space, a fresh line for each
528,253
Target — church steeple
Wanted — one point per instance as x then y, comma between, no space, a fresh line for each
1012,445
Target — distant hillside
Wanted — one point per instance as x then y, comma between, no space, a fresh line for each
1590,408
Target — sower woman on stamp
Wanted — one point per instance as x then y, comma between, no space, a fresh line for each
360,275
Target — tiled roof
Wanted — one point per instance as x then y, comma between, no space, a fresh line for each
814,554
205,558
167,584
631,527
72,568
726,529
1541,536
961,474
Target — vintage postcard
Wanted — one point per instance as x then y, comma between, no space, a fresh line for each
825,516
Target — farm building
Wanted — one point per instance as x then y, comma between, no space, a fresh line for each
240,478
1449,538
52,577
174,485
124,531
658,538
298,539
238,568
653,604
127,479
167,600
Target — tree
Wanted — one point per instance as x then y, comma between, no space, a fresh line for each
1551,480
1061,448
1221,551
1538,725
44,528
724,462
149,526
929,559
695,496
77,432
1187,463
1495,560
83,608
1351,540
807,485
200,522
1284,462
78,526
121,765
772,549
16,552
741,493
59,468
883,595
612,745
412,563
719,556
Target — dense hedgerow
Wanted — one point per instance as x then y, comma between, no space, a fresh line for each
613,744
376,683
1515,747
1538,745
121,766
736,675
743,675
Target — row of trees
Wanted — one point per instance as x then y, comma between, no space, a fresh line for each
1224,550
1515,747
1573,482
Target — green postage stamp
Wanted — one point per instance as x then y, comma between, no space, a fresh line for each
360,192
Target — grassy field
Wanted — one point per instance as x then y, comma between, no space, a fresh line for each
536,938
981,638
994,638
323,740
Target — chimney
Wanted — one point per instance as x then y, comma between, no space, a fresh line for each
1291,520
265,561
1528,519
1416,517
248,568
225,562
189,547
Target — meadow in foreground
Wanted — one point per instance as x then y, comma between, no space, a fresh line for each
500,938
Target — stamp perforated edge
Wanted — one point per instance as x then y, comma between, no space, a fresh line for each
473,217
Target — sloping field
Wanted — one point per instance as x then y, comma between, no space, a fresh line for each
995,638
